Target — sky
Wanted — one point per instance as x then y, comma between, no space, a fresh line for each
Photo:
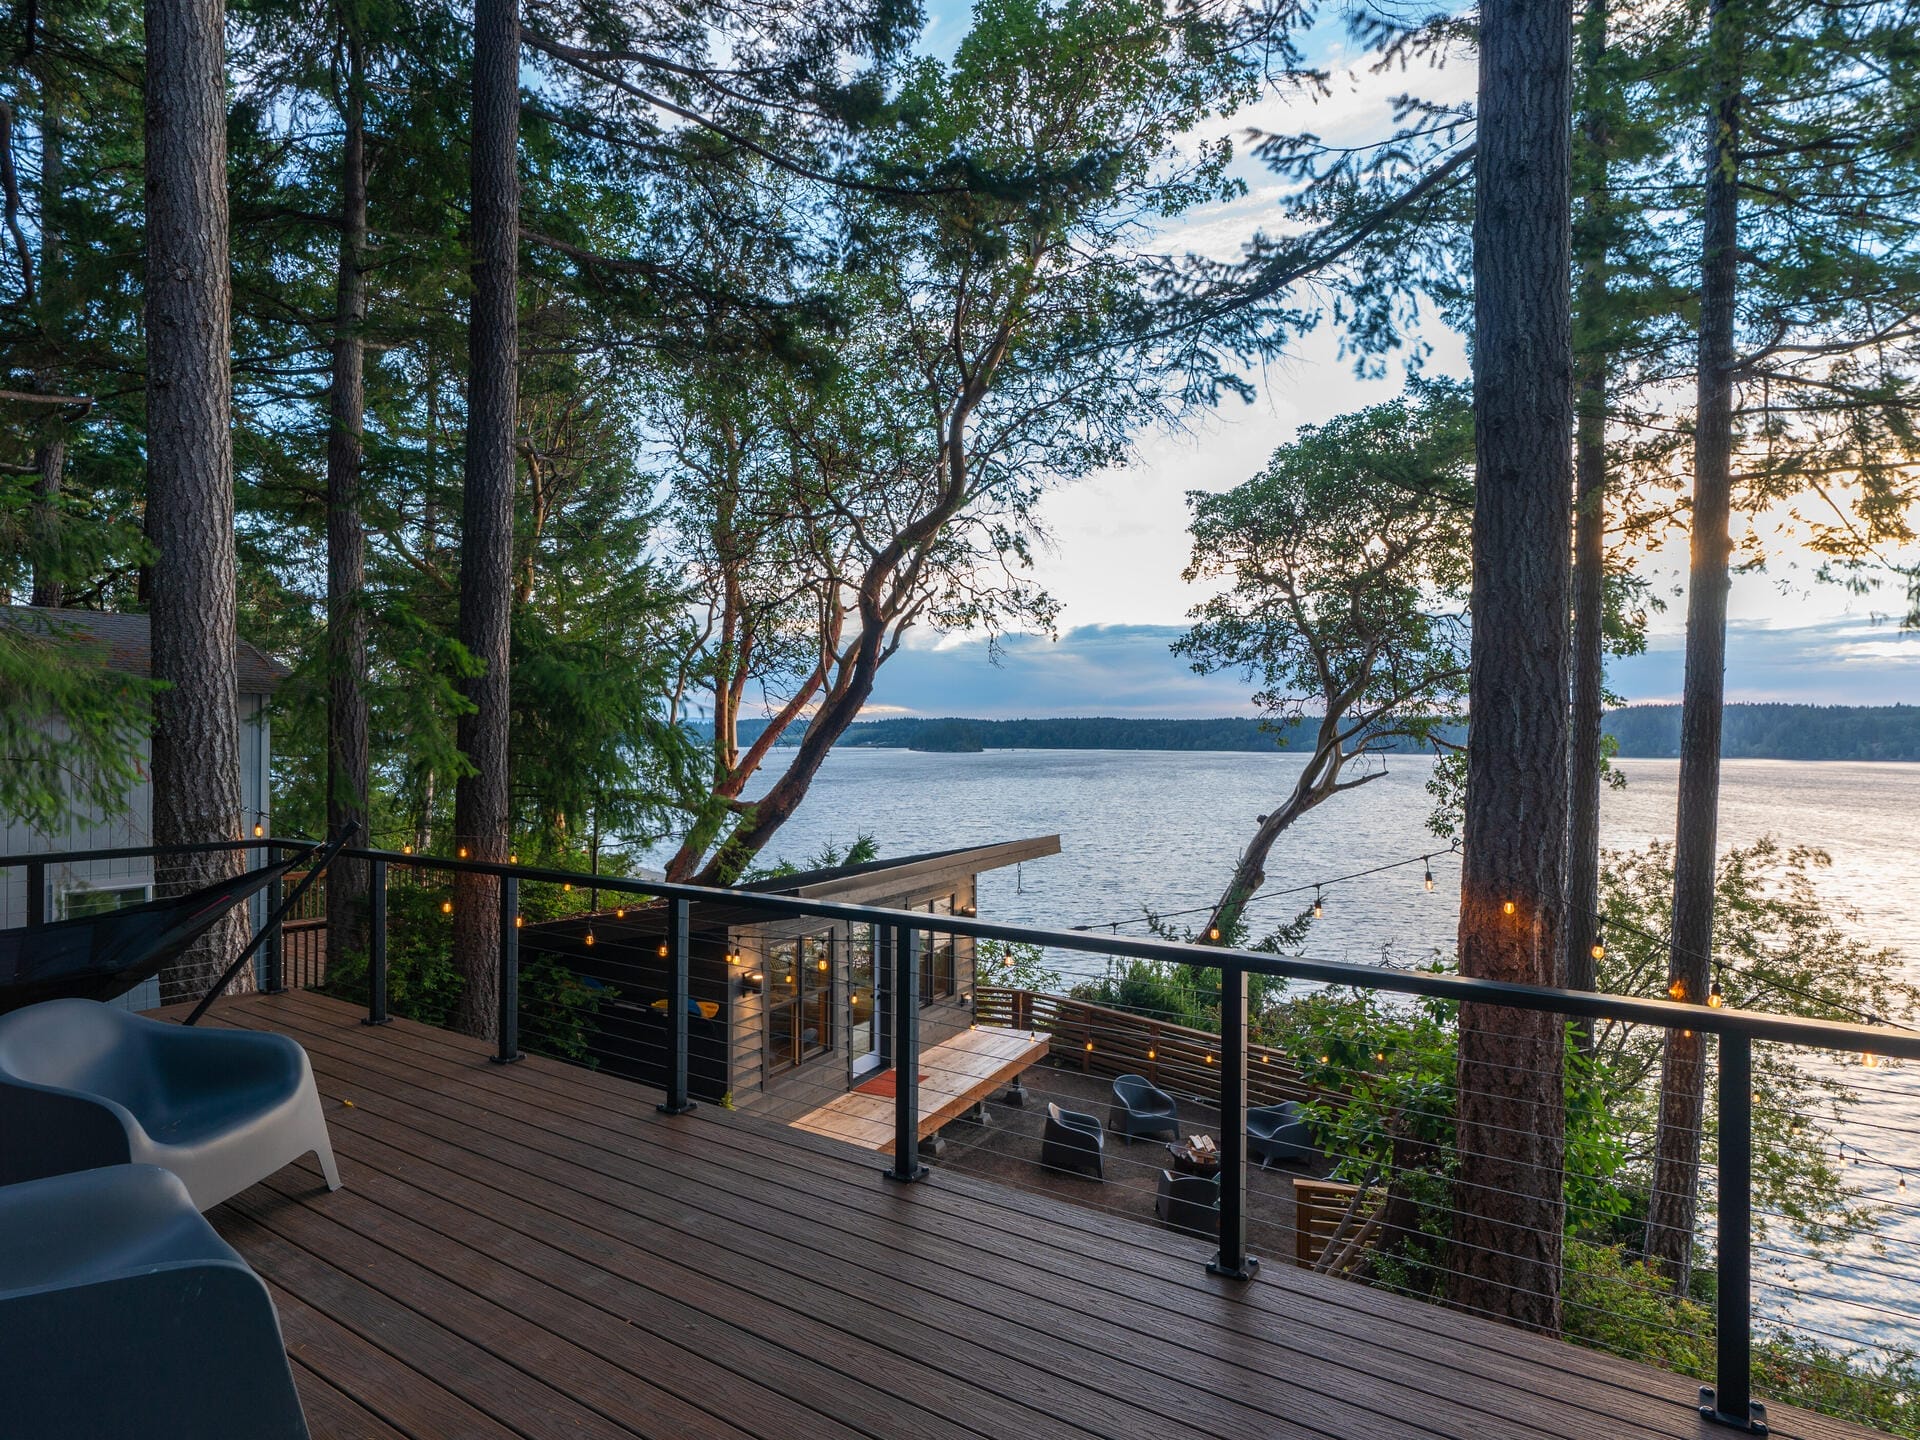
1118,539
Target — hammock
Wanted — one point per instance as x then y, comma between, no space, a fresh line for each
98,957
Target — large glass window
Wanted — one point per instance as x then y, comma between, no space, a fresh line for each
799,1000
936,957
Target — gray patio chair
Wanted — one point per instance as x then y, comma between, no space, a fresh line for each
1141,1108
1279,1132
126,1315
84,1084
1189,1202
1073,1141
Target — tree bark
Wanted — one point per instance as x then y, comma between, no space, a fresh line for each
50,452
1676,1172
1508,1200
486,534
1591,353
196,751
348,762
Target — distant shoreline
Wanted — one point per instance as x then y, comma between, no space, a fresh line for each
1639,732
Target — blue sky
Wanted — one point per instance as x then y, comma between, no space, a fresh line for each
1118,539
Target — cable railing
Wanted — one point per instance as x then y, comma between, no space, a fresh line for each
633,985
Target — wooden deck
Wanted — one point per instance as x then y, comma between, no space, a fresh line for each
533,1251
956,1075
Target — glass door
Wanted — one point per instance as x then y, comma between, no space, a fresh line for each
863,1008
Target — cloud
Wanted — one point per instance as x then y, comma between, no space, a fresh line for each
1846,661
1130,670
1090,670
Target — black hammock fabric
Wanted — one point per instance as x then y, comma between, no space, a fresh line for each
98,957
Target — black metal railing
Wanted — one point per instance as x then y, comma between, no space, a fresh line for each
897,936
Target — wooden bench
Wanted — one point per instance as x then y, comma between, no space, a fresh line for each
957,1075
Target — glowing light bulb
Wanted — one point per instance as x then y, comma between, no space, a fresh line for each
513,859
258,829
1326,1059
1599,951
1213,931
519,922
620,914
1207,1058
446,907
1506,907
1714,998
823,967
406,849
1089,1044
567,886
589,937
663,952
463,852
1151,1055
1318,909
1427,880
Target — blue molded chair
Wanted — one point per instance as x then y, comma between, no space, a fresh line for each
1279,1132
126,1315
1189,1202
1141,1108
84,1084
1073,1141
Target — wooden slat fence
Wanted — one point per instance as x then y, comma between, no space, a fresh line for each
1100,1040
1325,1213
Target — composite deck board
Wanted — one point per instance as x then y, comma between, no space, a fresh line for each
532,1250
1521,1405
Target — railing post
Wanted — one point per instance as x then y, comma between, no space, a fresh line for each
1730,1401
376,944
677,968
36,894
273,956
1233,1259
906,1056
509,1050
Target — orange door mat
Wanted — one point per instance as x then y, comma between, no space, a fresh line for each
881,1085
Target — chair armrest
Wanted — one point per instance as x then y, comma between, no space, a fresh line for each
51,1131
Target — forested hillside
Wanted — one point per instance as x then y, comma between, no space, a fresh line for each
1753,732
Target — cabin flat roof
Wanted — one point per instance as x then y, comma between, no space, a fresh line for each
531,1250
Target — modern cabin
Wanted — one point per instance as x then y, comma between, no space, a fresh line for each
783,1015
125,645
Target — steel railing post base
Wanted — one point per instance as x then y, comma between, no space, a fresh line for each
513,1059
684,1107
1754,1423
1248,1268
907,1177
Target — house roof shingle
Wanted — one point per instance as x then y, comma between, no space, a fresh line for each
129,644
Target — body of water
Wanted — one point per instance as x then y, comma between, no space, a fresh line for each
1162,829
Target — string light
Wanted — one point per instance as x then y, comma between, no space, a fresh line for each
513,859
1506,907
568,886
589,935
519,922
1213,932
463,852
1714,998
621,914
1427,878
446,907
406,849
1318,909
258,829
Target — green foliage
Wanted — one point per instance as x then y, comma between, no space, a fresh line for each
422,983
1015,966
71,729
863,849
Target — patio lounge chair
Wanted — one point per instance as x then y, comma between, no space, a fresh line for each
1141,1108
1279,1132
1073,1141
83,1084
1189,1202
126,1315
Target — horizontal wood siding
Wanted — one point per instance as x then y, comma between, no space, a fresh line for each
1099,1040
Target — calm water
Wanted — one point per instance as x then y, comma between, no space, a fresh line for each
1162,829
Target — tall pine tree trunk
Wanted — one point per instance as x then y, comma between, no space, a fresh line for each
196,749
1676,1172
486,534
50,450
347,720
1510,1129
1591,347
